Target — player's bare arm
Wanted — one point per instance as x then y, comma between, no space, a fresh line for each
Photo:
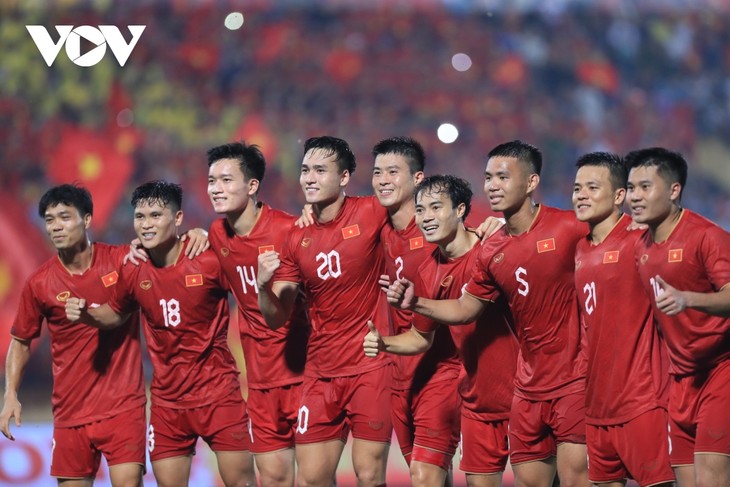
276,299
411,342
103,317
466,309
15,363
672,301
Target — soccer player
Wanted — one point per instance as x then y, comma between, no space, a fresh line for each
98,387
274,358
531,264
195,388
684,267
424,400
337,262
626,419
487,347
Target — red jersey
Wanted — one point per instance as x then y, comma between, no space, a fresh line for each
405,251
96,373
273,357
185,309
626,365
534,271
338,264
694,258
487,347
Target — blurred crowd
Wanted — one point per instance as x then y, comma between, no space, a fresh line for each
569,81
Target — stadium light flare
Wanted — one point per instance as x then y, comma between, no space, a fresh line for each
447,133
461,61
234,21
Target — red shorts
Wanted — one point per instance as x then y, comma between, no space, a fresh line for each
638,449
273,414
174,432
536,427
330,407
484,446
698,414
77,450
427,423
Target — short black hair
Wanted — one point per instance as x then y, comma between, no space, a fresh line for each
168,195
67,194
403,146
522,151
332,146
458,190
618,172
671,166
250,158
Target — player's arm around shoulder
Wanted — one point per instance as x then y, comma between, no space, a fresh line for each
411,342
276,298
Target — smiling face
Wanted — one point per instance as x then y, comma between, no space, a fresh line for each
651,197
65,226
228,189
594,198
436,216
155,224
508,183
393,183
321,179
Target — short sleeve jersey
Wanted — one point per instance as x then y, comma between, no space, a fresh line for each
626,366
534,271
405,251
96,373
338,264
273,357
695,258
487,347
185,310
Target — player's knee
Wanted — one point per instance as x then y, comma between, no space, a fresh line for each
426,475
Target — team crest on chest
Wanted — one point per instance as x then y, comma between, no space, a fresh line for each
225,252
498,258
63,296
145,284
447,281
110,279
644,258
265,248
675,255
306,242
578,263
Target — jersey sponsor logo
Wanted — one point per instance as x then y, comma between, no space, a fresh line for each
447,281
145,284
415,243
265,248
351,231
644,258
306,242
675,255
498,258
110,279
193,280
547,245
225,252
63,296
610,257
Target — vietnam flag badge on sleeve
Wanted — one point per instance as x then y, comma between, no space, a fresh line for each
192,280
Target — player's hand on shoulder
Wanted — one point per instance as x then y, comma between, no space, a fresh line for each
198,242
636,226
75,308
401,294
11,409
268,262
307,217
137,254
373,342
488,227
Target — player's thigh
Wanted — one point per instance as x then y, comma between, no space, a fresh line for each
317,462
276,468
535,473
603,457
530,436
236,468
73,456
369,460
484,480
126,474
321,416
437,420
64,482
224,427
170,433
567,418
172,471
273,418
572,464
643,446
712,418
401,415
121,439
427,474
